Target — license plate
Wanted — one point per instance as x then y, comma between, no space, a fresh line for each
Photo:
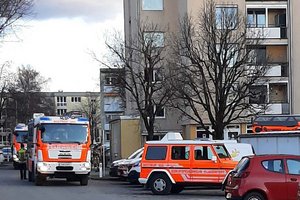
64,164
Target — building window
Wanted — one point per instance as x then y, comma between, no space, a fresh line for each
61,101
157,76
226,17
160,111
258,55
153,5
258,94
76,99
61,111
155,39
110,80
256,18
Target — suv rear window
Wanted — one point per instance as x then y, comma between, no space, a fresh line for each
156,153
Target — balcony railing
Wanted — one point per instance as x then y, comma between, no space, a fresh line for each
267,32
275,69
278,108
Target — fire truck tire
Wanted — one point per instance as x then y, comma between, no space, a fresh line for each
160,184
39,180
84,180
177,189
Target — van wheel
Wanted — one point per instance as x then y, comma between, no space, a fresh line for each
160,184
254,196
177,189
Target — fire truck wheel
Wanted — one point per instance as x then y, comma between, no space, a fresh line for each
177,189
39,180
160,184
84,180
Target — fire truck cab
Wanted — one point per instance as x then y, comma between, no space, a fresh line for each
59,147
19,136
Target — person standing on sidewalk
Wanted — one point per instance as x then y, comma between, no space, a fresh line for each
22,162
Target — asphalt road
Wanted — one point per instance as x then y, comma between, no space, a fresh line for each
12,188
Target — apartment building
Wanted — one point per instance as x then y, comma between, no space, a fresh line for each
277,23
111,101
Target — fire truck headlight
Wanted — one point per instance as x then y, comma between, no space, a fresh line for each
40,155
85,166
88,158
42,166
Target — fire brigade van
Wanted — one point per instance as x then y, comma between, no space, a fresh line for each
59,147
172,163
19,136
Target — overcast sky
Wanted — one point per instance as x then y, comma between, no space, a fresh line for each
56,41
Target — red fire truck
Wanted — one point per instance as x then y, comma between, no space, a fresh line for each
19,136
59,147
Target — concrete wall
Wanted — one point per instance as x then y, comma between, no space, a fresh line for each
295,54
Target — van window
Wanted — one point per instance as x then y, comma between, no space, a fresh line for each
203,153
180,153
221,151
156,153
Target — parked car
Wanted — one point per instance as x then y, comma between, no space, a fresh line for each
127,164
134,173
114,167
264,177
1,157
7,153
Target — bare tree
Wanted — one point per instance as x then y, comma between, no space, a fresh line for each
27,96
143,62
90,108
214,79
6,77
10,12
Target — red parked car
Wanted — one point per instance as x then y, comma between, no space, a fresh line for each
264,177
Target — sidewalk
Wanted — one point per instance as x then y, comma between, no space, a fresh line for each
94,175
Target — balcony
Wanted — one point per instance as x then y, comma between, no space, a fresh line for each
267,32
267,21
278,108
275,69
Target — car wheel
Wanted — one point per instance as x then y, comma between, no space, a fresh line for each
177,189
254,196
160,184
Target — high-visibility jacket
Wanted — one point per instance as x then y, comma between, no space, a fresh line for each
22,155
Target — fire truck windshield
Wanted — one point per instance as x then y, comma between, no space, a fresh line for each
21,136
64,133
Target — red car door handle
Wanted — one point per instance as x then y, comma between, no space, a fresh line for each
293,179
